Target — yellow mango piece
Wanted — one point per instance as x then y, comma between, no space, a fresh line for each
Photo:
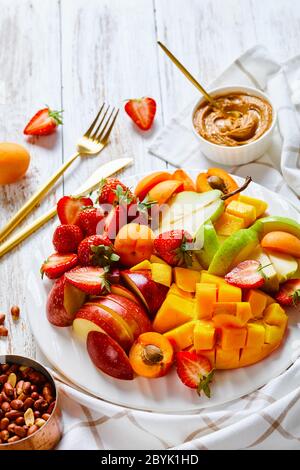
229,308
275,315
227,224
258,302
210,354
156,259
186,279
260,205
181,337
174,312
228,293
242,210
142,265
233,338
243,311
227,359
206,297
274,334
204,335
181,293
161,273
270,300
212,279
251,356
255,335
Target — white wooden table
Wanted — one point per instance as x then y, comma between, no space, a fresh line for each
74,54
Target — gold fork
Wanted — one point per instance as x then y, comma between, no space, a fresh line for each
91,143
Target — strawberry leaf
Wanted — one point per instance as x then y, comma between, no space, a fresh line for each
204,384
296,297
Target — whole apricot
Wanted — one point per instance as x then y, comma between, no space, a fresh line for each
14,162
134,243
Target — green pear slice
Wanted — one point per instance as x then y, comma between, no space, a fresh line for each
274,223
271,279
207,239
285,265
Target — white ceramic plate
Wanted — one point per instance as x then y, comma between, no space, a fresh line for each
166,394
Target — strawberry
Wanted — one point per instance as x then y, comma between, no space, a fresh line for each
90,280
141,111
69,208
57,264
116,219
66,238
173,247
247,275
194,371
89,219
289,292
111,190
96,250
44,122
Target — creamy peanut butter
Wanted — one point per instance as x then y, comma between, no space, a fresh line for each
251,118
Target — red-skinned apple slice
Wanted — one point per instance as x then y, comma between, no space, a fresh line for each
63,302
150,292
92,317
108,356
124,292
136,311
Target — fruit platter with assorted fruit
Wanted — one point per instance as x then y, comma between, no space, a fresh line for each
179,274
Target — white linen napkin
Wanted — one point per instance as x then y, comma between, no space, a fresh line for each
279,168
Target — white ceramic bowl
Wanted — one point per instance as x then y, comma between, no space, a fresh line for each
240,154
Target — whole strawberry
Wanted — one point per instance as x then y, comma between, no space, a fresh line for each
66,238
97,250
110,191
89,219
174,247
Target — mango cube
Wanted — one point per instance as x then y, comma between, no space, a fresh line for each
181,293
273,334
242,210
204,335
210,354
181,337
258,302
233,338
211,279
228,293
156,259
174,312
186,279
260,205
161,273
227,359
243,311
206,297
255,335
275,315
220,308
227,224
142,265
251,356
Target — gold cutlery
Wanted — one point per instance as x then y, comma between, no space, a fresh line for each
91,143
91,183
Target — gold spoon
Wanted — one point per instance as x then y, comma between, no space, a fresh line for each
192,79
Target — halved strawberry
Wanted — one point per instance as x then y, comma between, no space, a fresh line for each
89,279
289,292
142,112
69,208
247,275
44,122
194,371
57,264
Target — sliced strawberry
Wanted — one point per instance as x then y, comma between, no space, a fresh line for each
44,122
97,250
57,264
174,247
89,279
89,220
115,220
69,208
194,371
247,275
142,112
289,292
66,238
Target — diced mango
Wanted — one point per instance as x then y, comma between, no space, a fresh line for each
228,293
260,205
181,293
270,300
227,224
161,273
156,259
251,356
227,321
174,312
206,297
243,311
210,354
242,210
275,315
181,337
258,302
233,338
186,279
227,359
212,279
273,334
204,335
220,308
255,335
142,265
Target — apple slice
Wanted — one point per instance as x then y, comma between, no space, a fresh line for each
135,310
63,302
92,317
108,356
124,292
150,292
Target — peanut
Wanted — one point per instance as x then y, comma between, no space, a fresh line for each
19,387
12,379
16,404
20,421
8,389
15,312
32,429
2,318
20,431
4,435
4,423
39,422
28,403
3,331
5,406
13,439
29,417
46,416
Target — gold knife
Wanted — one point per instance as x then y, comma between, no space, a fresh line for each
104,171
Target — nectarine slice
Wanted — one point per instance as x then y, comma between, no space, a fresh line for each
108,356
164,190
283,242
149,181
188,183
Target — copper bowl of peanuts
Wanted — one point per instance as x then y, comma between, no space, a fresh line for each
30,418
